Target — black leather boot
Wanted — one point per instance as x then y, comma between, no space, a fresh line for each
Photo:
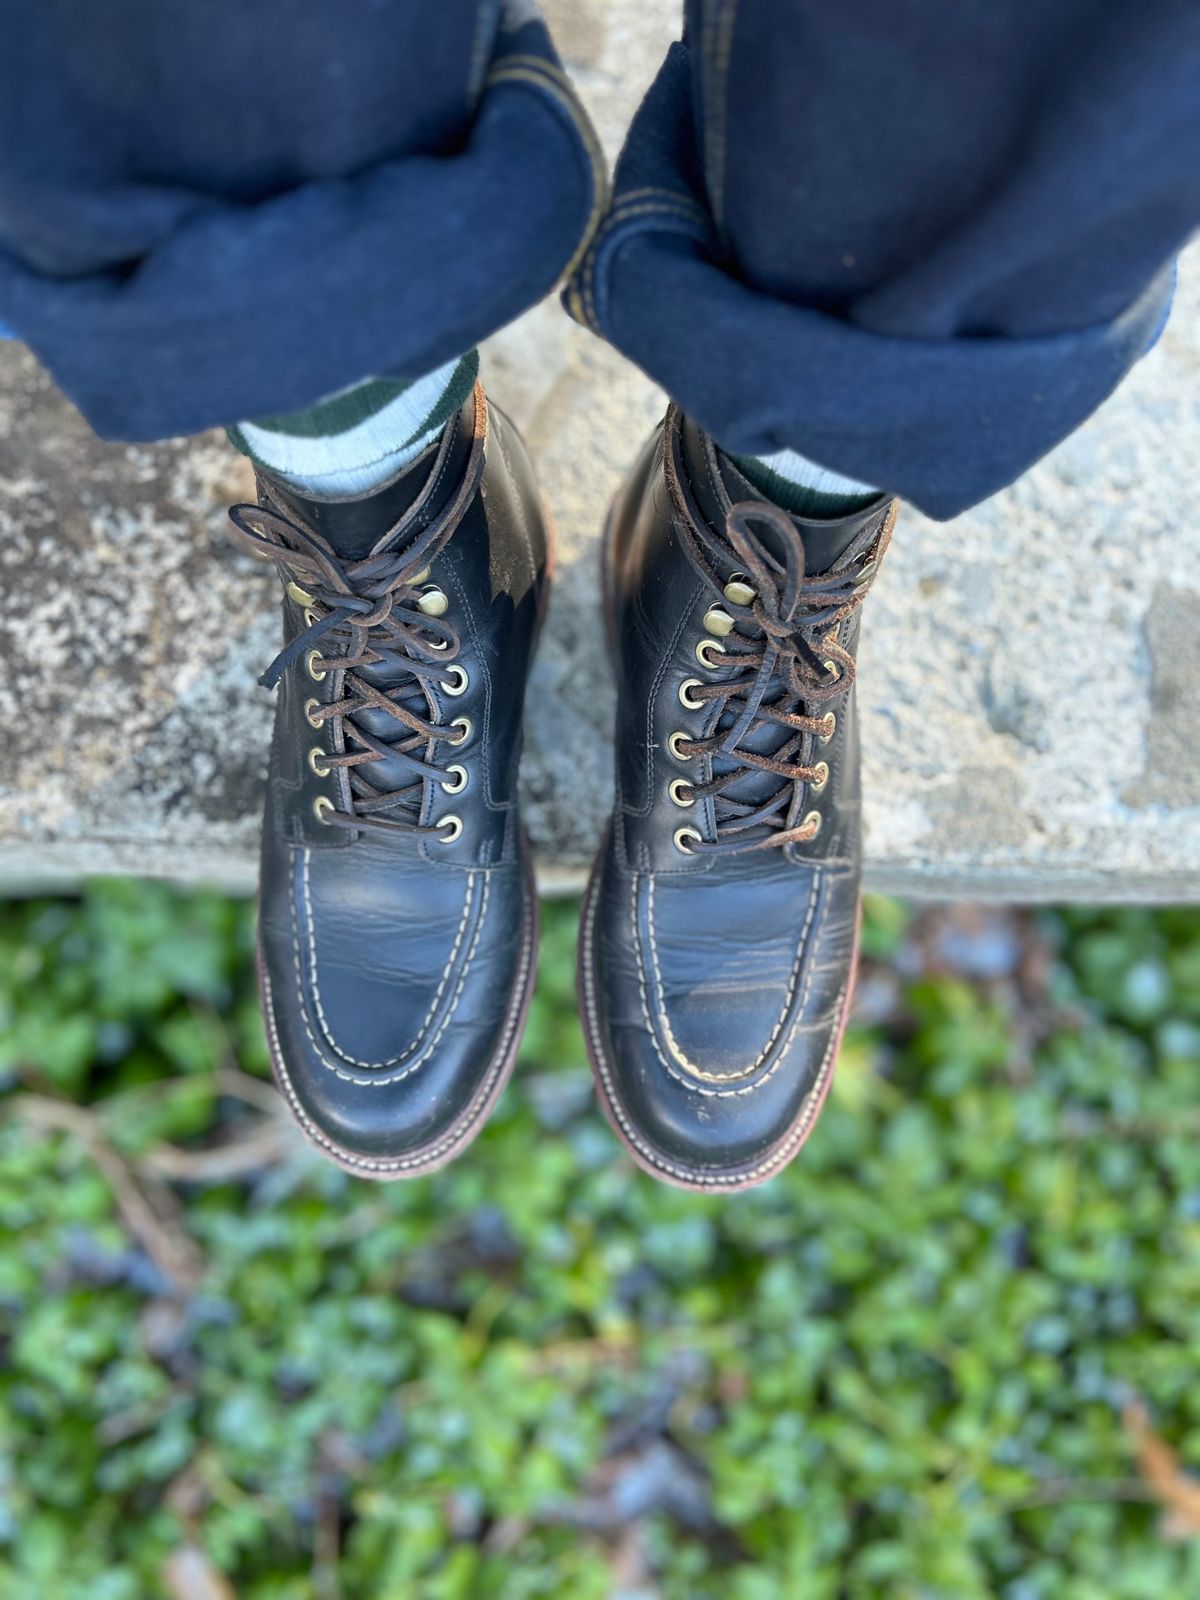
720,928
397,914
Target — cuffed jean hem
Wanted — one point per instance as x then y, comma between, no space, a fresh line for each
394,270
944,423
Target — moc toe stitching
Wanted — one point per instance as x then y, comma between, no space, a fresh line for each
418,1050
649,1155
658,1024
427,1157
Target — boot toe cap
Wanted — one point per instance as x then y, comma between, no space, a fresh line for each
714,1056
391,1039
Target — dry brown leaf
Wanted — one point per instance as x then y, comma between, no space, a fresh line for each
189,1575
1176,1490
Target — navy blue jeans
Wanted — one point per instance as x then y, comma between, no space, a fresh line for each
918,242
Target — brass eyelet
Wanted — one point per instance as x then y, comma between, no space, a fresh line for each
717,620
299,595
310,616
467,727
682,792
323,806
813,817
461,681
459,781
673,744
309,707
684,687
311,660
702,655
832,668
450,828
433,602
418,578
439,644
315,762
817,784
865,572
682,834
739,592
830,721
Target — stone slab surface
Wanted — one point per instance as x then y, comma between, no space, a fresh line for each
1030,673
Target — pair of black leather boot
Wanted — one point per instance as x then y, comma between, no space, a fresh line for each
398,915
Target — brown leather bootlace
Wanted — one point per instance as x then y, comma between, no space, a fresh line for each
784,646
367,613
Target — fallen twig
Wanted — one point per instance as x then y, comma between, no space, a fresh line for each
1078,1123
1063,1491
262,1147
149,1210
256,1092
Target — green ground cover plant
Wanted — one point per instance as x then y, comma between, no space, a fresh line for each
951,1354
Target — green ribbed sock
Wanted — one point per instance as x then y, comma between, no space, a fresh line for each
802,487
354,441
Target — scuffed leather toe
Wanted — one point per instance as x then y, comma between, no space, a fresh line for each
713,1075
391,1047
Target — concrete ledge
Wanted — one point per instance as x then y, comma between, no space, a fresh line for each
1030,674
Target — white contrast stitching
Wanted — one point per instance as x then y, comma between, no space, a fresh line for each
394,1077
310,922
701,1179
447,1146
660,996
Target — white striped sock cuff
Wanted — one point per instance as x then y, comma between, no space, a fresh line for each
792,467
357,439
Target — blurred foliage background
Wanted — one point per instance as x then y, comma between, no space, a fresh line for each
951,1354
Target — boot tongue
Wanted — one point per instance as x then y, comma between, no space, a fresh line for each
825,538
353,523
